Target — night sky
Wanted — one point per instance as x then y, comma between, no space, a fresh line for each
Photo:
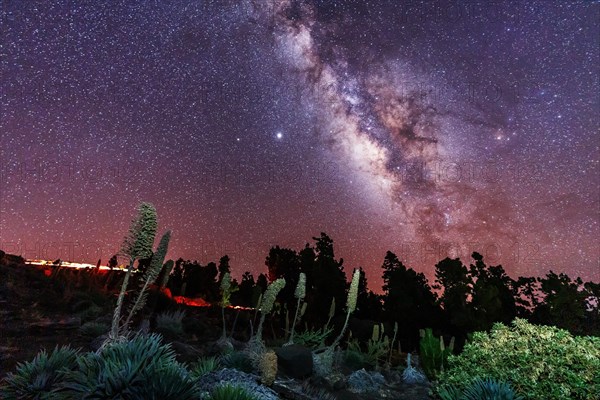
429,129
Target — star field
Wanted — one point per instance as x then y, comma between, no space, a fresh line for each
430,129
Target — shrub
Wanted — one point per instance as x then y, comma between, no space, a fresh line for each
231,392
170,322
93,329
38,379
490,389
539,361
238,360
433,354
316,393
90,313
377,347
313,339
481,389
142,368
204,366
354,357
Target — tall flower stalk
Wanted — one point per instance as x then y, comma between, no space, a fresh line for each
350,305
299,293
226,291
267,304
136,245
150,275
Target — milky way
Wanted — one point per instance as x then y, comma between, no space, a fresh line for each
431,130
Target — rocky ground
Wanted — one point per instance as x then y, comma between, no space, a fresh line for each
38,311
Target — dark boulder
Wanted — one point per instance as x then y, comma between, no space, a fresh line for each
295,361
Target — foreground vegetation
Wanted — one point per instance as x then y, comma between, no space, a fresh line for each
540,362
506,357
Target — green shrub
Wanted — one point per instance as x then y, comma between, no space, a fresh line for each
205,366
316,393
313,339
38,379
433,354
354,358
94,329
141,368
238,360
542,362
231,392
90,313
481,389
377,347
170,322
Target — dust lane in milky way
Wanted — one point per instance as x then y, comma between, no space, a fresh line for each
429,130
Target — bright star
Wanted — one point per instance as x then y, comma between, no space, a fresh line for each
279,135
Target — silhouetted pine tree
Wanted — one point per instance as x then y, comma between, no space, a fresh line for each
564,303
453,279
408,300
244,296
492,295
328,280
284,263
223,268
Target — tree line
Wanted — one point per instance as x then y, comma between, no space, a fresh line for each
462,299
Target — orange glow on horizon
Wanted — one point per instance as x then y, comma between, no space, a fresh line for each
191,302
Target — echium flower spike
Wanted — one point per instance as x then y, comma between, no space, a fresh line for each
300,292
150,275
270,295
353,292
267,304
138,243
226,283
350,305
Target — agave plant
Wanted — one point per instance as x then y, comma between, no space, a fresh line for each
204,366
170,322
481,389
40,378
231,392
142,368
490,389
315,339
239,360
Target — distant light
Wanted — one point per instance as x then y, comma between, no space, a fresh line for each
279,135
